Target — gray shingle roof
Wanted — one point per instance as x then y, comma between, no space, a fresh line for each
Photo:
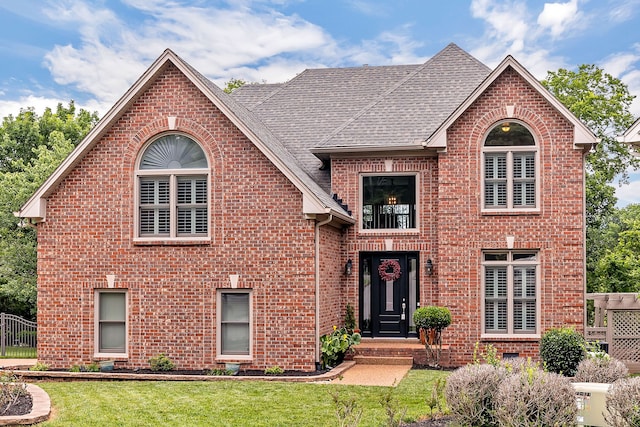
363,106
272,143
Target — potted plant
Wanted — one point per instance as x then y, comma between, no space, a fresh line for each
420,320
432,320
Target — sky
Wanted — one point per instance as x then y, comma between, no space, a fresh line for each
92,51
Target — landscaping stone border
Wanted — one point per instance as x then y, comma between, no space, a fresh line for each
40,409
115,376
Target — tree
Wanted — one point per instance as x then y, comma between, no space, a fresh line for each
602,102
20,135
234,84
618,270
31,147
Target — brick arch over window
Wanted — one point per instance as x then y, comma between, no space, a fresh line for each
190,129
176,124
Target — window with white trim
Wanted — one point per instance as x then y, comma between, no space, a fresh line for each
388,202
234,321
172,189
510,292
111,322
510,169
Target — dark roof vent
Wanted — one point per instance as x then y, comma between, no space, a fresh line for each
343,205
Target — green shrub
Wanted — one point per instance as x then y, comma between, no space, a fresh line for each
623,403
532,397
600,370
274,370
39,366
350,319
488,355
335,345
75,368
470,392
561,350
161,363
432,317
92,367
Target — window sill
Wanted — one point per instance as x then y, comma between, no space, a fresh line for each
514,212
163,241
389,231
111,356
512,337
234,358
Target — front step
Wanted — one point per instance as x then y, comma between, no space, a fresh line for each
379,360
392,351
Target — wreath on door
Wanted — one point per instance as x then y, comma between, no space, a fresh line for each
385,274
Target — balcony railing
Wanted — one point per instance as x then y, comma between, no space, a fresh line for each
400,216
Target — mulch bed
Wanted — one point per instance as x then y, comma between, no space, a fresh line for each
242,372
22,406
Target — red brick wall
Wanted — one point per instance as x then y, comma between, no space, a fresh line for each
453,232
345,181
333,281
557,231
258,231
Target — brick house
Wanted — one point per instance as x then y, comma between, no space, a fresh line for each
235,228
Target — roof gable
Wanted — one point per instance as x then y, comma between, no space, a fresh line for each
364,109
632,135
582,136
315,199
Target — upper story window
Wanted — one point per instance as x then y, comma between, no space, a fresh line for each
172,189
389,202
510,169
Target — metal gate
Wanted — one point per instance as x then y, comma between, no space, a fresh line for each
18,337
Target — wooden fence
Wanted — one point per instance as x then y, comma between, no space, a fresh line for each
617,323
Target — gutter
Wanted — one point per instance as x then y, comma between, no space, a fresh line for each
317,277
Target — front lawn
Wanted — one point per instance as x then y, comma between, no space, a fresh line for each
19,353
228,403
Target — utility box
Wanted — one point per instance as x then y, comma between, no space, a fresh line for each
591,399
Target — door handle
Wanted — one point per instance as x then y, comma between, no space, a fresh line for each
403,316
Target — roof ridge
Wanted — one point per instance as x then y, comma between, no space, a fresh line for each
383,95
278,90
282,86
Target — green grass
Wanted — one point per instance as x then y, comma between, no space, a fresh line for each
228,403
19,353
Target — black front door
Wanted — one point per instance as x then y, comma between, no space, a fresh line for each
388,292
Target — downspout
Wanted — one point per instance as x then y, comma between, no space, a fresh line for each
317,273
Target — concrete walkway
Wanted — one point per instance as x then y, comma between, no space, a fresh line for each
17,363
373,375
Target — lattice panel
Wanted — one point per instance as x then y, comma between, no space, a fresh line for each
626,335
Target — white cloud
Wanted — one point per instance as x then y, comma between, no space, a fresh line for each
40,103
626,67
559,17
506,32
629,193
215,41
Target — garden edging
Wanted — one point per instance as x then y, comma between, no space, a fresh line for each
40,409
108,376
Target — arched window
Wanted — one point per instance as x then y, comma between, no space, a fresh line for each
510,169
172,189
